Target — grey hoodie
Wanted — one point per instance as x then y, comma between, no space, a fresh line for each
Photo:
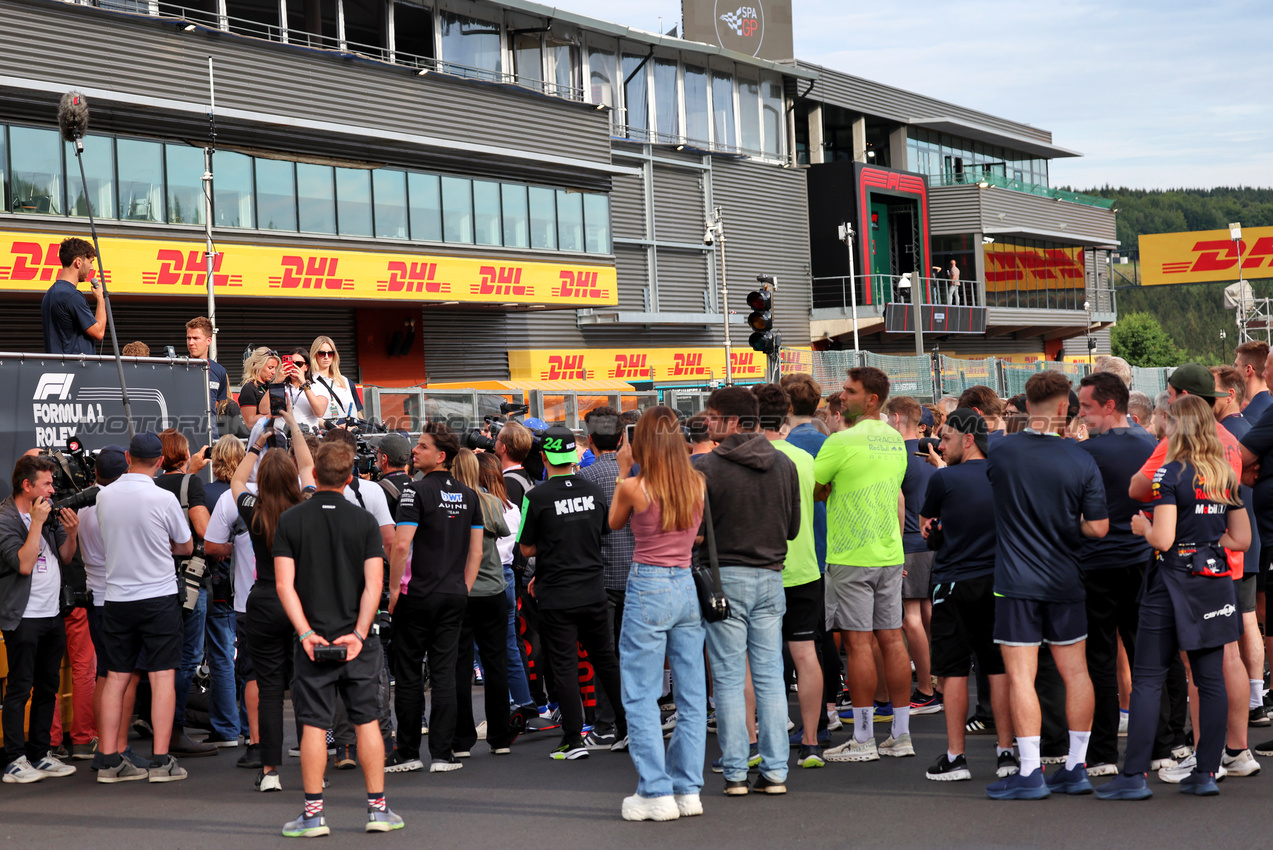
755,499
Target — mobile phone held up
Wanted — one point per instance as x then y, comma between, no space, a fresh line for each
629,433
278,399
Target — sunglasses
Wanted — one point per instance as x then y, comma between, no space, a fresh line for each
326,354
300,363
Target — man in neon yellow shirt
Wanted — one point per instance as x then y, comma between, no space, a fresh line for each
859,473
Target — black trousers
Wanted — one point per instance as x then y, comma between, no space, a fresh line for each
1112,610
34,650
428,624
538,677
605,711
562,631
486,622
270,638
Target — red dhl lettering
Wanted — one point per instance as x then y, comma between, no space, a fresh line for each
744,362
179,268
310,273
1218,255
1046,264
579,285
413,277
630,366
33,261
503,281
567,367
686,365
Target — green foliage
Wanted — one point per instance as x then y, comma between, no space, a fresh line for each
1139,339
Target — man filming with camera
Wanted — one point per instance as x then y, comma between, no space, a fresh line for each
31,556
392,456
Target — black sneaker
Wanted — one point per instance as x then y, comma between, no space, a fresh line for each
1008,765
945,770
1259,716
251,758
764,785
736,788
218,740
1265,749
569,751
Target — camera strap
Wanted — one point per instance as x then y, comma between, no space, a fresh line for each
709,532
354,485
184,498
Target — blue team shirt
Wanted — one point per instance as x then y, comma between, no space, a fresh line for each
1119,454
1043,486
914,486
961,497
1238,425
1256,406
66,317
809,438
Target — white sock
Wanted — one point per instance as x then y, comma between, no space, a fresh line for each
1257,693
863,718
951,757
901,722
667,681
1078,749
1001,750
1029,750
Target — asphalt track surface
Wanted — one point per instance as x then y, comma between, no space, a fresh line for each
526,800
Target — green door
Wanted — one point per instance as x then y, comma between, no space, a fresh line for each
881,265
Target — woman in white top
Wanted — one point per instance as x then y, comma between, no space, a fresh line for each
343,400
309,400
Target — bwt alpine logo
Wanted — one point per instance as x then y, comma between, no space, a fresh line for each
53,383
743,21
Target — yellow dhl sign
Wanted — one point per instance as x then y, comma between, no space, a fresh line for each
29,263
649,364
1205,256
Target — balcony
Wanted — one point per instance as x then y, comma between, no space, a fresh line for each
998,181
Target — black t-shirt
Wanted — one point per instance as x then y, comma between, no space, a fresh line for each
1259,441
960,496
1043,486
1198,519
251,394
330,540
398,481
1119,454
444,513
261,549
196,497
564,518
914,485
66,316
515,482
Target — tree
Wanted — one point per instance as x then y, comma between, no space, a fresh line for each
1141,341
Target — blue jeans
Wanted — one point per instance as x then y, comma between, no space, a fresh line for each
222,705
193,624
518,686
752,633
661,618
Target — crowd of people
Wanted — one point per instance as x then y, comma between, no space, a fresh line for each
1089,555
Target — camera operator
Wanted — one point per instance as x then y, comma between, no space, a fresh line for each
31,558
309,400
329,573
143,527
69,326
178,477
392,457
258,371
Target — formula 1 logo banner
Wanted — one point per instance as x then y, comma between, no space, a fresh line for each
29,263
45,400
1205,256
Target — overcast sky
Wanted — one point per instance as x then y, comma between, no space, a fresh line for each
1154,93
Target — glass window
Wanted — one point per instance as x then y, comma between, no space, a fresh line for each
596,216
457,209
570,220
563,64
528,59
543,218
601,74
316,198
184,167
141,180
771,101
425,193
697,116
723,109
470,43
276,194
353,201
667,118
516,216
99,170
487,220
390,191
4,170
636,92
232,189
37,170
749,113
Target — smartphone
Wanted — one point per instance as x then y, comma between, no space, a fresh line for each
629,433
207,452
278,398
331,652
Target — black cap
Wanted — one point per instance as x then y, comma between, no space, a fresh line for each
965,420
145,446
559,446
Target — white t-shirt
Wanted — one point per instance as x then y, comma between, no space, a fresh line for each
93,552
140,521
512,519
46,580
341,402
373,501
220,526
301,408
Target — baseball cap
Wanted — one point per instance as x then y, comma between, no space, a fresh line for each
1194,379
146,445
396,447
559,446
110,462
965,420
926,417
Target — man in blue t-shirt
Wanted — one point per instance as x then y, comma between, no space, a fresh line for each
69,326
199,343
1048,498
1113,565
1251,360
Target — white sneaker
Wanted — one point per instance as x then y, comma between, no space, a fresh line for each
268,781
689,805
1175,775
637,807
1122,724
898,747
833,720
791,725
1243,764
1106,769
481,731
22,772
1159,764
51,765
854,750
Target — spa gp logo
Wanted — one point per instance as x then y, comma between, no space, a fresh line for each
743,20
740,27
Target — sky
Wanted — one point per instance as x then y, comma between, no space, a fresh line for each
1155,94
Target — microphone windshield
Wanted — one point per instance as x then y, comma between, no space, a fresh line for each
72,116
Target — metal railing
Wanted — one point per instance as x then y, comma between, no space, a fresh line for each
972,177
875,290
409,408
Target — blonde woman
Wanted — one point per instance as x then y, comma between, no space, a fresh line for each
342,398
1189,600
258,371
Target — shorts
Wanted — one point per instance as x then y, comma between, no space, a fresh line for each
243,668
1031,622
153,626
963,626
805,606
918,581
315,686
1246,593
864,599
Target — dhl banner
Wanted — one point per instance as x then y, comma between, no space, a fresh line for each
645,364
1204,256
29,263
1013,267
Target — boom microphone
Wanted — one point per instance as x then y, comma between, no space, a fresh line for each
72,117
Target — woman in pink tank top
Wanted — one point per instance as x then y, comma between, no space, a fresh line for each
662,618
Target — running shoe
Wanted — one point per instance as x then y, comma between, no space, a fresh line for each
1200,785
753,756
689,805
796,738
1018,787
569,751
51,765
1265,749
304,827
1103,769
1125,788
637,808
736,788
1008,765
711,721
386,821
854,750
395,762
20,771
445,765
833,720
599,741
978,726
810,756
620,746
218,740
1186,767
1072,781
83,752
1243,764
1259,716
945,770
883,712
268,781
925,703
765,785
899,747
